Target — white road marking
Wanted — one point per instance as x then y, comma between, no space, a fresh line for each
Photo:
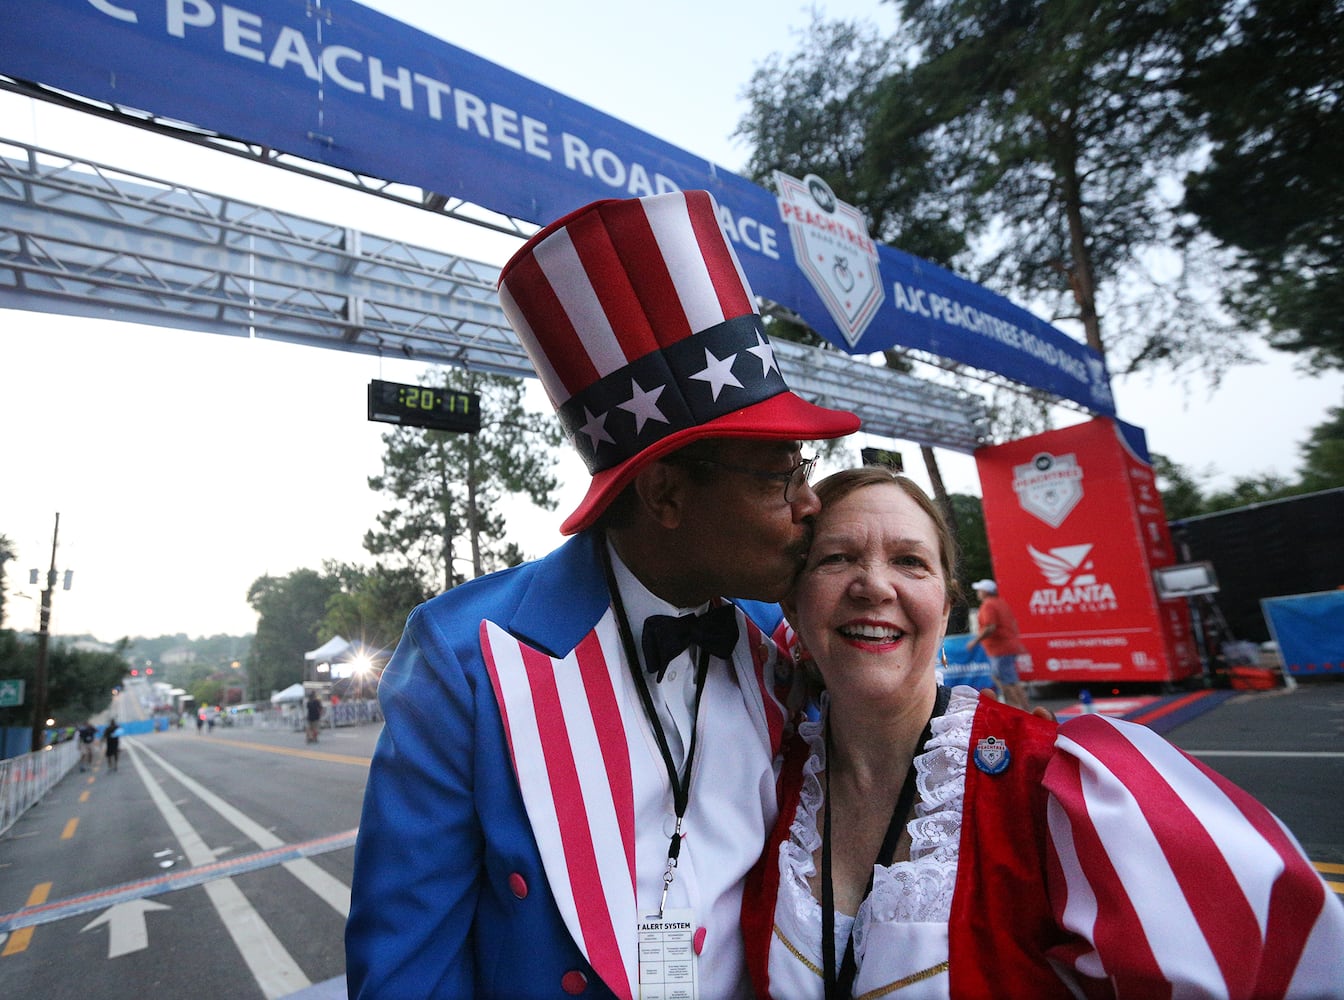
126,928
276,972
325,886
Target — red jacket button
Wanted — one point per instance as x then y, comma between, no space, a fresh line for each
573,982
519,885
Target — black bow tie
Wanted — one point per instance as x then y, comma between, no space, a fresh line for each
667,636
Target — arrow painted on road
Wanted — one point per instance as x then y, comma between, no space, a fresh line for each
127,931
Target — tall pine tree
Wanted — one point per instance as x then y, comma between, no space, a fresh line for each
446,522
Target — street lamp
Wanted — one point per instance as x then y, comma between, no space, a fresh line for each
39,739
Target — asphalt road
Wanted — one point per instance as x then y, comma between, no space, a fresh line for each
1286,748
183,811
218,865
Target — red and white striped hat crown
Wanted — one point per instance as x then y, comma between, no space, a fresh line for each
643,329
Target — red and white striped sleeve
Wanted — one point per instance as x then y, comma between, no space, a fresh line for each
1176,882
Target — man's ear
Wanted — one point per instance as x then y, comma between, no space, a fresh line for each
661,488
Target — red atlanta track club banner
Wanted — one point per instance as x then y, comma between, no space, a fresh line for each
1076,527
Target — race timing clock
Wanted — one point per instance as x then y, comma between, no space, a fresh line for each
424,406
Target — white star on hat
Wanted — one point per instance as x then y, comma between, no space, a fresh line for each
718,372
643,404
766,353
596,429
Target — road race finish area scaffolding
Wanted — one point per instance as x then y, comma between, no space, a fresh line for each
86,239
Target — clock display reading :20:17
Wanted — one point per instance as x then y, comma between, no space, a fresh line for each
424,406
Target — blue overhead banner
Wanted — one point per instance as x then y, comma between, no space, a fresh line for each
338,83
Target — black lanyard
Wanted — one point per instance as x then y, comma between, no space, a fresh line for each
840,987
681,783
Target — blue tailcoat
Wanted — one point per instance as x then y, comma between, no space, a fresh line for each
449,897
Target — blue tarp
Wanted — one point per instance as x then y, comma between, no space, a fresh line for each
341,84
1309,629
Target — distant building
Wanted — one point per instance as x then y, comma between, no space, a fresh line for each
177,656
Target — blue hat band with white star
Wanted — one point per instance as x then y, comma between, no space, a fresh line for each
687,384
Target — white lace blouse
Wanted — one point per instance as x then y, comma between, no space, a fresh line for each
900,931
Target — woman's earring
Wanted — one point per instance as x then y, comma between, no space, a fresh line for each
942,651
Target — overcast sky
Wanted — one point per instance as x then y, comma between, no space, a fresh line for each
185,465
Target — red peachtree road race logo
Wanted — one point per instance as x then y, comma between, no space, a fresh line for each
832,246
1049,486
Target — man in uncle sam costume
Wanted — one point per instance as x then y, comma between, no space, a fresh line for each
575,773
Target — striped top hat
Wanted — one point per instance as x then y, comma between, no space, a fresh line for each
643,329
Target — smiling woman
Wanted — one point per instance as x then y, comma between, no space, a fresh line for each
938,841
872,602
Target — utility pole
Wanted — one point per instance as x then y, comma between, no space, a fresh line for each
40,680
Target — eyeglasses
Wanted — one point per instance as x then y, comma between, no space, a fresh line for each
794,479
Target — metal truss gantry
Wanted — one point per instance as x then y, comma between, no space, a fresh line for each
83,238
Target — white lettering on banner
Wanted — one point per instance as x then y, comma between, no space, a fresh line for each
504,126
912,299
470,110
111,10
749,232
292,47
435,91
203,15
605,166
535,139
288,48
331,66
240,27
401,83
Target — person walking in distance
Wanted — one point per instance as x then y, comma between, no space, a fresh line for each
996,630
87,735
314,712
112,743
575,771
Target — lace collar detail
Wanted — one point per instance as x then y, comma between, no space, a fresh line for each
918,890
